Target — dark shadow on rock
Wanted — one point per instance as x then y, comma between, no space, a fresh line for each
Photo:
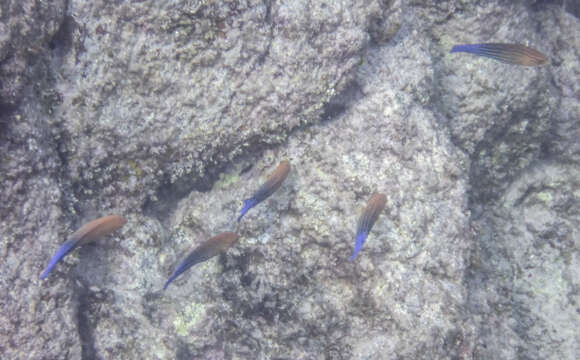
572,7
84,323
6,112
62,41
169,194
341,102
183,353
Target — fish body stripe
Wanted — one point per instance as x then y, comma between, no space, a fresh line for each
274,182
367,220
97,228
212,247
268,188
507,53
371,213
89,232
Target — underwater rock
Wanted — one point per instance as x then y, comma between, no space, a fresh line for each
27,31
173,113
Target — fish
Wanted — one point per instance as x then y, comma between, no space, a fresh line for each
89,232
268,188
212,247
515,54
367,219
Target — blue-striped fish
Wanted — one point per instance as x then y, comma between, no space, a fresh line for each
366,221
268,188
508,53
87,233
214,246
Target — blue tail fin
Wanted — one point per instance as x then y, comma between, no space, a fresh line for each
360,240
171,278
248,204
184,265
60,254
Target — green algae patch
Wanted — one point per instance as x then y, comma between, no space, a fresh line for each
135,168
227,180
189,318
545,197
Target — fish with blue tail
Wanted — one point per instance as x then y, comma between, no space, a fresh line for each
369,216
212,247
268,188
89,232
515,54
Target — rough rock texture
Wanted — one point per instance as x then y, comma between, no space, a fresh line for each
159,95
525,284
173,112
28,29
35,322
524,276
502,126
519,129
315,303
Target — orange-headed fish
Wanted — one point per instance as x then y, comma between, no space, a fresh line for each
508,53
366,221
268,188
87,233
214,246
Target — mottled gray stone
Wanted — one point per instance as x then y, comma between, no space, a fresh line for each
289,284
173,112
523,279
27,28
137,104
37,321
161,95
573,7
525,270
502,124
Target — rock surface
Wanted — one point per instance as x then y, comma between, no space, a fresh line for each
173,112
27,30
